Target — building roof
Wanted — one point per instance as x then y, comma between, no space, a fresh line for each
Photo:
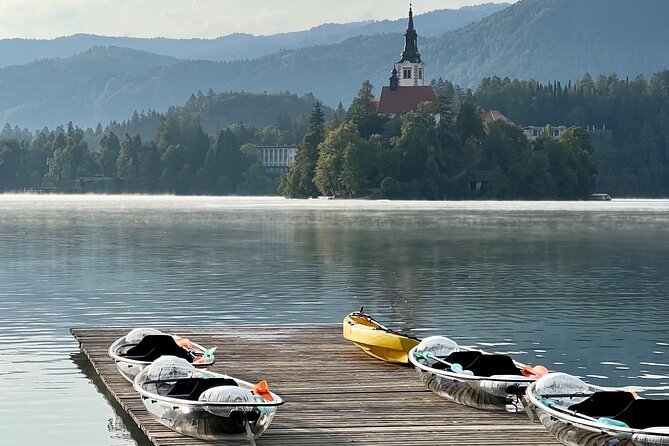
404,99
494,115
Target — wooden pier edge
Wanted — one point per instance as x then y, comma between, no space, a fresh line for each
335,394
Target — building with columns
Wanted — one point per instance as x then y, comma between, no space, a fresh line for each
407,89
277,159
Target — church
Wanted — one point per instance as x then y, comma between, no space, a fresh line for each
407,89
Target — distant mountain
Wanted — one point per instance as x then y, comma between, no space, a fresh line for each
240,46
557,39
541,39
97,85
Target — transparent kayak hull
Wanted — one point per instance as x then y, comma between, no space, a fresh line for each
129,368
575,435
212,406
499,386
199,422
467,393
580,414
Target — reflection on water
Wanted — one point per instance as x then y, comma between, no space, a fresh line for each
579,287
120,425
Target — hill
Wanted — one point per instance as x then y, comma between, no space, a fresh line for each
239,46
557,39
542,39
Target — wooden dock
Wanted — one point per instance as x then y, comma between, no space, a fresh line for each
335,394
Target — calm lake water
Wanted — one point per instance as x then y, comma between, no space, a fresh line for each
581,287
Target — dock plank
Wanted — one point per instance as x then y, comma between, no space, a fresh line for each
334,393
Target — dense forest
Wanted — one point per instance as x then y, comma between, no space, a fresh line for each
617,142
436,153
628,121
203,147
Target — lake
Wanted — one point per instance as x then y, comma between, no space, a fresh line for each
576,286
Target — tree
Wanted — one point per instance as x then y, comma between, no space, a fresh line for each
12,162
299,181
417,145
110,147
340,169
225,163
363,112
468,122
363,104
127,164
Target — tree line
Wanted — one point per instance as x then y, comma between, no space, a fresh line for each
630,118
444,150
180,151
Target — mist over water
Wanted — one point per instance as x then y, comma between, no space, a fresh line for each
576,286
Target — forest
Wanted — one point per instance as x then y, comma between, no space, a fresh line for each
630,118
437,152
449,150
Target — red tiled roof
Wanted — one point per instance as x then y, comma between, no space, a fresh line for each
404,99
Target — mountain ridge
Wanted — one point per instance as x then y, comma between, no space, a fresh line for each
238,46
545,40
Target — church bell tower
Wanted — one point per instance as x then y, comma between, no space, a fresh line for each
410,68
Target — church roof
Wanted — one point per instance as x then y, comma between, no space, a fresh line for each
404,99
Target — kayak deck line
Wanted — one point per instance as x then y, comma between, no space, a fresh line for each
334,393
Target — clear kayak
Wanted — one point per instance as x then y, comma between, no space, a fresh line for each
142,346
376,340
580,414
472,377
203,404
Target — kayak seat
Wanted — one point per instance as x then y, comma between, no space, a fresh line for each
464,358
191,388
604,404
642,414
488,365
152,347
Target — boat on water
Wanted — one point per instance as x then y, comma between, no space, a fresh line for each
203,404
473,377
600,197
141,346
376,340
580,414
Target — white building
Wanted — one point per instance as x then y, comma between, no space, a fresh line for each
277,159
533,132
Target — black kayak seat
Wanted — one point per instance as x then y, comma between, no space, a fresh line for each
464,358
489,365
643,413
152,347
604,404
191,388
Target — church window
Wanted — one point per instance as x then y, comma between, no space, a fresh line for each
420,73
406,73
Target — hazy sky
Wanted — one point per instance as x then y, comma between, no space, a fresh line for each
194,18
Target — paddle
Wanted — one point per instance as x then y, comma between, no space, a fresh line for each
382,327
455,367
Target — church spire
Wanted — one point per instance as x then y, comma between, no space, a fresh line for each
410,52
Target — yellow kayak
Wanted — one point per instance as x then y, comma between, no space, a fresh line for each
377,340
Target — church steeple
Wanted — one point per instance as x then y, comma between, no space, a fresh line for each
410,67
410,52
